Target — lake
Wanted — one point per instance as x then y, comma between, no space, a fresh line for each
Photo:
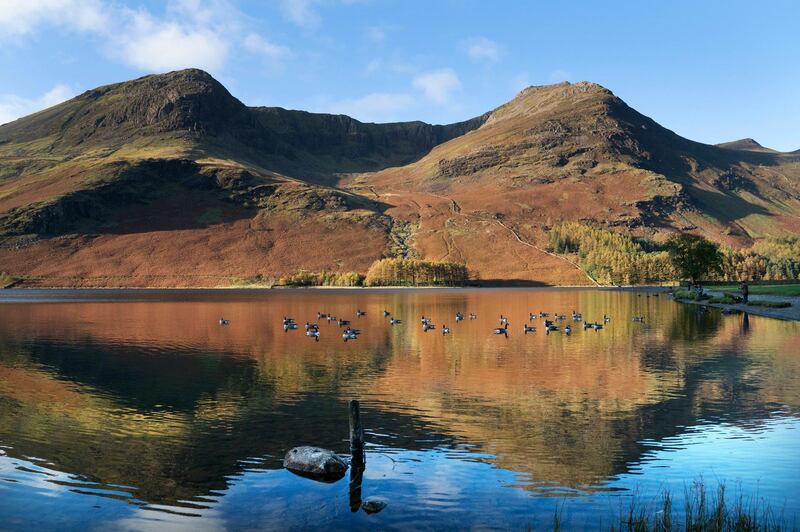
136,410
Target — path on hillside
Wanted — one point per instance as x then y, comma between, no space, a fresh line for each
456,209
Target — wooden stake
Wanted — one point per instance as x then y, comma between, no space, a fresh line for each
356,436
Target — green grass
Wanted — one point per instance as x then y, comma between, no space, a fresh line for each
769,304
703,511
258,281
727,299
683,293
788,290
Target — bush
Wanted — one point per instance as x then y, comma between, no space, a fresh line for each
727,299
413,272
692,295
6,279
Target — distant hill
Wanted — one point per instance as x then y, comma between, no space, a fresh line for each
746,145
170,180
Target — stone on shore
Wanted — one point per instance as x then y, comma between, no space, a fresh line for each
315,463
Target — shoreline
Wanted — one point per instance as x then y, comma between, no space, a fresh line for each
643,288
791,313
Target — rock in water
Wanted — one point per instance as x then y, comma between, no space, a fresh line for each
373,505
315,463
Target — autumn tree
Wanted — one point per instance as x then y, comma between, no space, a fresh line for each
693,257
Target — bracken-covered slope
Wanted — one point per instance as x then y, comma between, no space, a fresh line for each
577,152
170,180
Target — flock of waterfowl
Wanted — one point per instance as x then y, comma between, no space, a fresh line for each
550,325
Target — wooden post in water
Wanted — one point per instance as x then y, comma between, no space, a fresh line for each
356,436
357,458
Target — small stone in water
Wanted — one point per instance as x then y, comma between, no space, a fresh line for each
373,505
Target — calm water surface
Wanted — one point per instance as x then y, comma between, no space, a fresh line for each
136,410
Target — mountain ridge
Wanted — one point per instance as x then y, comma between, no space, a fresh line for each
110,169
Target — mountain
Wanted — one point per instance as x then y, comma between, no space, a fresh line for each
746,145
169,180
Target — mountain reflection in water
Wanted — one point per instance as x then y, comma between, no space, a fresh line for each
144,402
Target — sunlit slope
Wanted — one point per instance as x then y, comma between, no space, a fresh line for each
169,180
577,152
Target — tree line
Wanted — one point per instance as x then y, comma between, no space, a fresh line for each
611,258
415,272
615,258
386,272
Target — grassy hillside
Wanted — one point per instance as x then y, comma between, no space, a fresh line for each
170,180
576,152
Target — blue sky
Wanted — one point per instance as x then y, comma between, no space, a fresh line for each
711,71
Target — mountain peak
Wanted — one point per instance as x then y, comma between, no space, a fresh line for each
179,103
564,89
746,144
564,96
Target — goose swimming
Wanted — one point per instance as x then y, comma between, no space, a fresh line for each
529,328
502,330
223,321
445,329
394,322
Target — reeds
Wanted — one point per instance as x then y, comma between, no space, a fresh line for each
704,510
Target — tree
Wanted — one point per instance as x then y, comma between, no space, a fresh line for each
693,256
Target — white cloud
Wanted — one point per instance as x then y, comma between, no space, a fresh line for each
188,33
22,17
13,107
374,107
151,44
301,12
269,50
483,49
438,85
